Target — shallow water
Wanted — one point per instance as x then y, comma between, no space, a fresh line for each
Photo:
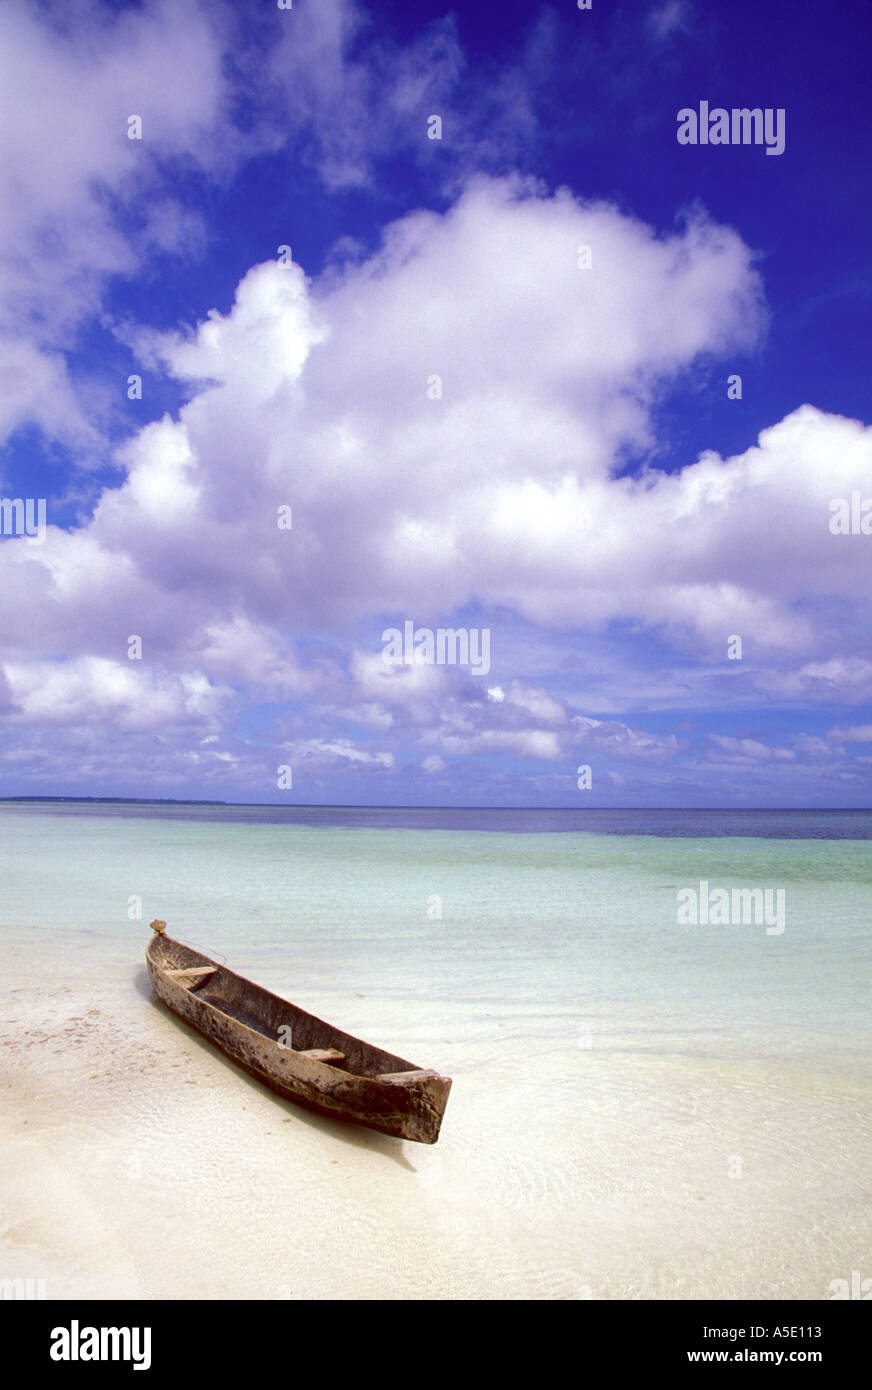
640,1108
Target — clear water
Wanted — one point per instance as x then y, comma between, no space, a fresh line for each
639,1109
515,934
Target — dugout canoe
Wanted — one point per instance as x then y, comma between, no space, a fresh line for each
294,1053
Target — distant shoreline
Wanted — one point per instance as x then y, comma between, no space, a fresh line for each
128,800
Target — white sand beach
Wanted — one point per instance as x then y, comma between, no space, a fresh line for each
639,1110
136,1162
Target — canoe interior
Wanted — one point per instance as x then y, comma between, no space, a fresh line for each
267,1014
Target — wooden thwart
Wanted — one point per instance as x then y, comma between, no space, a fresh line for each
417,1075
192,971
323,1054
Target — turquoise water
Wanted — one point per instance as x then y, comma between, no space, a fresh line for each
508,938
640,1109
671,822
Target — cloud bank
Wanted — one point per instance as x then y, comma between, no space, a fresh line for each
464,426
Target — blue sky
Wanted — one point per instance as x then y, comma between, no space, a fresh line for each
474,429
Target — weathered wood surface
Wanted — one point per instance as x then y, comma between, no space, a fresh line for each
296,1054
404,1077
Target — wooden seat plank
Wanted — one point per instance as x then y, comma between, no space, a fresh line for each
419,1074
323,1054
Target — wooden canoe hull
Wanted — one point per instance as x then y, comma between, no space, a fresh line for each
269,1037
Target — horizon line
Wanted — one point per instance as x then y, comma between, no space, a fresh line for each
383,806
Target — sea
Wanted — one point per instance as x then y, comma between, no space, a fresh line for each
557,924
610,1056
